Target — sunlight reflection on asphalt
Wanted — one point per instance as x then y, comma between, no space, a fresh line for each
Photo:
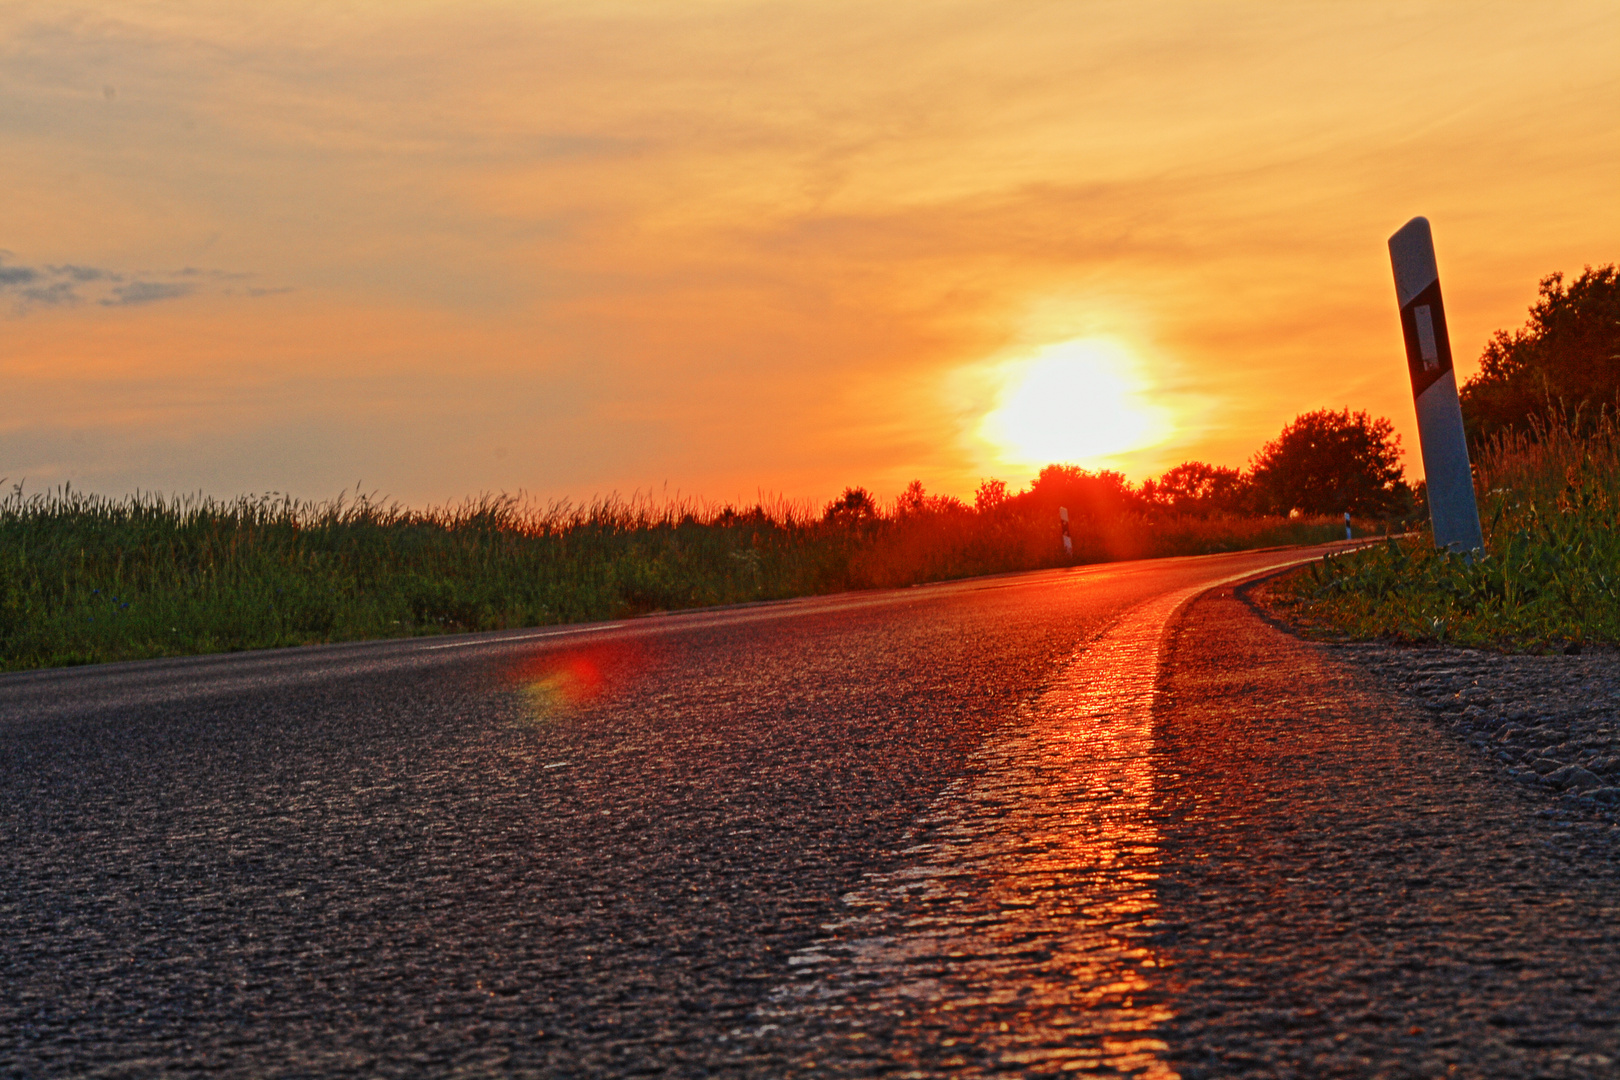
1014,936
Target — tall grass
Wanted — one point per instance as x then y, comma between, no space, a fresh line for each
86,579
1548,577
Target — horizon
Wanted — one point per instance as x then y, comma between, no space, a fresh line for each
757,247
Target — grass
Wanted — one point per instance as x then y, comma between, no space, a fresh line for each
88,579
1548,578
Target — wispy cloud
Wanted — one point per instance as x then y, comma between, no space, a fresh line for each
69,285
146,292
55,294
84,273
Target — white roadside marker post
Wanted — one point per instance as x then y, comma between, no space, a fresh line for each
1068,544
1347,534
1452,509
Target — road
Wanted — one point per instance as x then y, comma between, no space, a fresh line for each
925,832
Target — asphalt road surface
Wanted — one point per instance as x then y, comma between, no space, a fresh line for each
999,827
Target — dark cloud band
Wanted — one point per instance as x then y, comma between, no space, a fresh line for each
72,284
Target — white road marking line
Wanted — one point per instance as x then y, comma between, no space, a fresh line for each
524,637
1033,885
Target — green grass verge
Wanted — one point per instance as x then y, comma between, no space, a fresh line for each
86,579
1549,575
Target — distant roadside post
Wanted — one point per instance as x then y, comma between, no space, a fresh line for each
1452,509
1348,535
1068,544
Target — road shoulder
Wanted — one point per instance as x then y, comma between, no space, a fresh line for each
1351,887
1549,722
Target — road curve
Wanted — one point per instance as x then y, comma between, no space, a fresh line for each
830,836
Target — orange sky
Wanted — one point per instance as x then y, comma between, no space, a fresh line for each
729,248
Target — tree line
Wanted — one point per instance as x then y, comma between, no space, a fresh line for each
1324,462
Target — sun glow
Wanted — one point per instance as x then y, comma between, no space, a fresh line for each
1082,402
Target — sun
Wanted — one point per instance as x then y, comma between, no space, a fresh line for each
1083,402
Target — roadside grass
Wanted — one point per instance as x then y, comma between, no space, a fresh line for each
88,579
1549,575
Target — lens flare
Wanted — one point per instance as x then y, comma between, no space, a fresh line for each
553,683
1080,402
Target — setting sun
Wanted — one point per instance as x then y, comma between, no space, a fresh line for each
575,248
1083,401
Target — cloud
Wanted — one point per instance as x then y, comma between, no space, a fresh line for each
56,294
84,273
32,288
212,275
146,292
68,285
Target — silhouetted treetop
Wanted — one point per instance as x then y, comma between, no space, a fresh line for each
854,507
916,501
991,494
1100,494
1568,354
1199,488
1326,462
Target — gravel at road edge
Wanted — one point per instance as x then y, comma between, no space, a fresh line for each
1549,722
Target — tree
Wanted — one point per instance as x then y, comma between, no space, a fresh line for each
1101,494
991,495
1327,462
1196,487
1567,354
854,507
914,501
